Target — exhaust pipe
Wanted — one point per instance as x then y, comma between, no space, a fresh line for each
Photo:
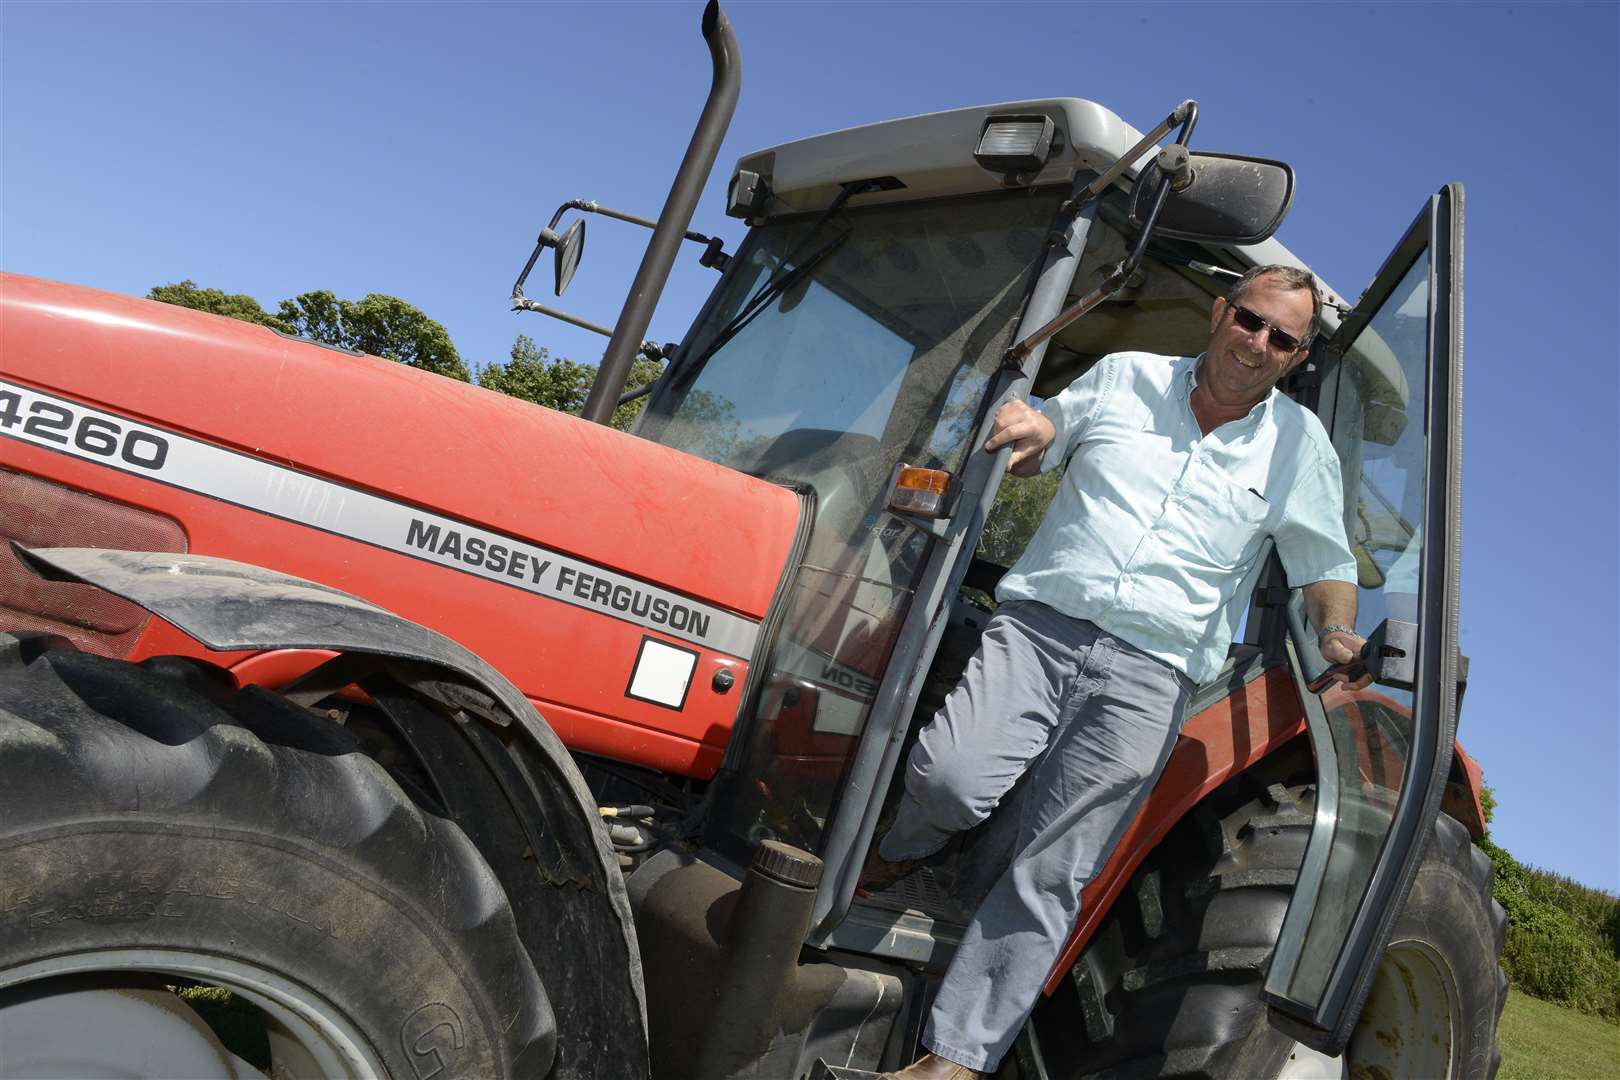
672,222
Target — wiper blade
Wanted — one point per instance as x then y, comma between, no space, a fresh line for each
779,282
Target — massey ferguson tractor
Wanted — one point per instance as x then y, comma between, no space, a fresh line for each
442,735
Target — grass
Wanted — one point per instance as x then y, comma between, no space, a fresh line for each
1563,938
1543,1041
238,1024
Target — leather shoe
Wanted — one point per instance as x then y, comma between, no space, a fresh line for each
934,1067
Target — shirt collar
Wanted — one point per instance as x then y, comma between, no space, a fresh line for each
1189,381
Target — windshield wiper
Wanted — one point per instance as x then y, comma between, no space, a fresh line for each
780,282
785,278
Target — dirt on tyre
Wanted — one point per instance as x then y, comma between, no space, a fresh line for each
153,819
1170,984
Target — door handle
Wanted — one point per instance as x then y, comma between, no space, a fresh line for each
1389,656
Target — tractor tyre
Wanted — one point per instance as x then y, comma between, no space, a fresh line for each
159,827
1170,984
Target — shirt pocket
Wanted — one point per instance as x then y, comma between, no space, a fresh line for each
1227,521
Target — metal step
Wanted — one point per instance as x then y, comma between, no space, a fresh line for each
823,1071
925,892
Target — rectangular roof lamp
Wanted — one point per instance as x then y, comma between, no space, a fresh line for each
1015,144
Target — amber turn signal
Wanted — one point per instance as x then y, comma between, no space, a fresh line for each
919,491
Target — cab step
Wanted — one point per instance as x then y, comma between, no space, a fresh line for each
823,1071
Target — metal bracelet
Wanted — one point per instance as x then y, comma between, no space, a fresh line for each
1335,629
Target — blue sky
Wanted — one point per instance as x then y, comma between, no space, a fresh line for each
415,149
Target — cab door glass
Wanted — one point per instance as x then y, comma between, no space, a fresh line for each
1377,427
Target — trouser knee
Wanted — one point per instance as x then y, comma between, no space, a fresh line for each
948,795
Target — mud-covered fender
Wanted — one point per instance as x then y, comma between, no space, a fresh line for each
230,606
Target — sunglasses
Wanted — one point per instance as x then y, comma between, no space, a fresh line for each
1252,323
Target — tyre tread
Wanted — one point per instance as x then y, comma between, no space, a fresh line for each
164,743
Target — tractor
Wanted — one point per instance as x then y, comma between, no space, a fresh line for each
355,721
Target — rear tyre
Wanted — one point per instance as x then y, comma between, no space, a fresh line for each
1170,985
158,827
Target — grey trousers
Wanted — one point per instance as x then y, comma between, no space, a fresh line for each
1093,719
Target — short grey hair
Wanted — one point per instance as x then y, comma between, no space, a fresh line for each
1288,277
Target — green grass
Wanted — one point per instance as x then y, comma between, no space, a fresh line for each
1543,1041
1563,938
238,1024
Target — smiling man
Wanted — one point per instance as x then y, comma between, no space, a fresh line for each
1127,597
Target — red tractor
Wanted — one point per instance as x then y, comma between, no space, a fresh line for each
454,736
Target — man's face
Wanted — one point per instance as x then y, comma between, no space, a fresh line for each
1241,366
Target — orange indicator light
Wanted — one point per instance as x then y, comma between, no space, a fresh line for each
919,491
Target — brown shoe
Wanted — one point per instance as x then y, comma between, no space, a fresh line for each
934,1067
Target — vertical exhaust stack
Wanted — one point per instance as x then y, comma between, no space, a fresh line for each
758,981
672,222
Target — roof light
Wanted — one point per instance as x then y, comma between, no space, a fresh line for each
919,491
747,194
1015,144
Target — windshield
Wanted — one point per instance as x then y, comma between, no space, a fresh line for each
881,353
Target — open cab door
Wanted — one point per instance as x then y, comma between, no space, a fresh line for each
1390,395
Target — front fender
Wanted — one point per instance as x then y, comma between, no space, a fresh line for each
230,606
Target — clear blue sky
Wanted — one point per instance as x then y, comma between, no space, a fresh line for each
414,150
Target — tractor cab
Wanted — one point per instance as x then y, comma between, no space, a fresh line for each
877,314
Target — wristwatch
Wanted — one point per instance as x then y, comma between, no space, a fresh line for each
1335,629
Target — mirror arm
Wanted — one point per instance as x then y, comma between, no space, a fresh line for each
590,206
523,303
1187,115
534,257
650,350
714,254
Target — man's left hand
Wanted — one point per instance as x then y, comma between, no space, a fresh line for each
1342,650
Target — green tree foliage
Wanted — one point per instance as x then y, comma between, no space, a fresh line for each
534,375
642,372
377,324
1014,516
189,294
380,325
1563,938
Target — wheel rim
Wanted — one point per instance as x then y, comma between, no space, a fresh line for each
308,1034
1408,1026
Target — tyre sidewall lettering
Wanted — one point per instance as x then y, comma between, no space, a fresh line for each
331,931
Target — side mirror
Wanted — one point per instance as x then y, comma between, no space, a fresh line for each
1216,198
569,248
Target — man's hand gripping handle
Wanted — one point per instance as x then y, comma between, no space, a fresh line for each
1027,431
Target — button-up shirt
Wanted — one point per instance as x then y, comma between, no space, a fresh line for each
1156,531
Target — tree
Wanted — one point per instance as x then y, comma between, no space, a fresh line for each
188,294
378,324
562,384
642,372
1014,516
531,374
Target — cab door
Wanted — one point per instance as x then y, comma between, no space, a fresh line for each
1390,395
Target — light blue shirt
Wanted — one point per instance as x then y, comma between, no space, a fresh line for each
1156,530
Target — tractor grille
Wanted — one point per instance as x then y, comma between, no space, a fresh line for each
39,513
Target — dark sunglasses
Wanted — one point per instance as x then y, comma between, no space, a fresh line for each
1252,323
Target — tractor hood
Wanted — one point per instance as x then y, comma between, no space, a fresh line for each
611,579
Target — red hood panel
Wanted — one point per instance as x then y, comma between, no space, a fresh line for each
465,452
644,571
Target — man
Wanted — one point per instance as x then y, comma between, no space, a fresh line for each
1124,601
